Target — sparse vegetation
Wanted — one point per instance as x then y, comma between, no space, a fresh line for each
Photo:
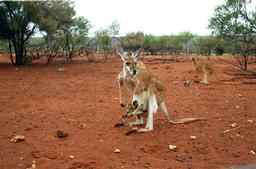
66,36
20,20
235,23
59,95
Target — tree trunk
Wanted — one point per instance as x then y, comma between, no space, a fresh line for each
245,62
19,45
20,57
10,50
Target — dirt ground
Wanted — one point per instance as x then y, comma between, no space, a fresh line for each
38,100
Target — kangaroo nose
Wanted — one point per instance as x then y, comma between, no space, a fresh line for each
134,72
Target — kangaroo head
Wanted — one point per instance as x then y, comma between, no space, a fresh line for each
130,61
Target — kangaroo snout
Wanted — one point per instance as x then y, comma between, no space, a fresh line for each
134,72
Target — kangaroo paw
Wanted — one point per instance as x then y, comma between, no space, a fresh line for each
136,123
143,130
204,82
127,115
131,132
122,105
121,124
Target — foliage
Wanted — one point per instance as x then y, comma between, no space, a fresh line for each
203,45
185,38
219,50
6,48
150,44
113,29
164,44
177,44
74,36
234,22
104,37
133,40
20,20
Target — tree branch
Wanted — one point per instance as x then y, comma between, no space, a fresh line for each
30,33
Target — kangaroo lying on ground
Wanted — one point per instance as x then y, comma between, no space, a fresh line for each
148,91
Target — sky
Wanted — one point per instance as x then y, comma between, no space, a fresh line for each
157,17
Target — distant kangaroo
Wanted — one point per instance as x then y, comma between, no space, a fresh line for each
148,90
205,68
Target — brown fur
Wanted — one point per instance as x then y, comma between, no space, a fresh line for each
205,68
124,78
147,88
146,80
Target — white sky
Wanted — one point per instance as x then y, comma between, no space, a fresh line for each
158,17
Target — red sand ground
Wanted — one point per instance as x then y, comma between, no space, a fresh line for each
38,100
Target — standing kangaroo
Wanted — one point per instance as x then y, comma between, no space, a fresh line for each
205,68
148,90
126,76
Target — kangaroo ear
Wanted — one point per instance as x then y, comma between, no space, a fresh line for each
138,53
120,52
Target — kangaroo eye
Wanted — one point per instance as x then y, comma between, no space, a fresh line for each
127,63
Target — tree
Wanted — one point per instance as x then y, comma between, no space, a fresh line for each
113,29
74,36
151,44
133,41
185,38
103,39
204,45
6,48
106,39
221,46
165,44
234,22
20,20
176,41
51,47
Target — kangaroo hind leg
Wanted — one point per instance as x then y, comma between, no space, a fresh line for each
152,108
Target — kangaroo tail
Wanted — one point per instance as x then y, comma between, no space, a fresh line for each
185,120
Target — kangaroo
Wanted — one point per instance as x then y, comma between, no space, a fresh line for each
148,92
205,68
125,77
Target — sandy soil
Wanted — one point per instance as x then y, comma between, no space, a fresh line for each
38,100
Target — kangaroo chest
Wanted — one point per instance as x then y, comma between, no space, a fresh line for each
130,83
